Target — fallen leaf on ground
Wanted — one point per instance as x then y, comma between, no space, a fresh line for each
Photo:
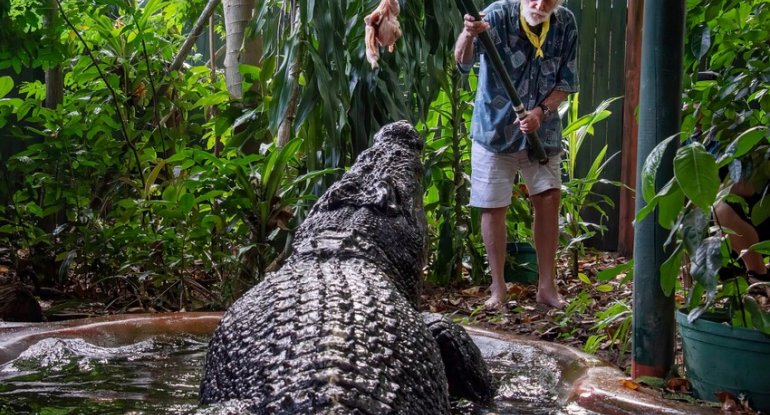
515,289
473,291
629,384
678,385
733,405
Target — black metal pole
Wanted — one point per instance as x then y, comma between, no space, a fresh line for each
660,103
497,64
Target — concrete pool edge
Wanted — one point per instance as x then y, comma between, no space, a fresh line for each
597,385
587,381
110,330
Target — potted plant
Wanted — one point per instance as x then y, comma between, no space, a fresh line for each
725,332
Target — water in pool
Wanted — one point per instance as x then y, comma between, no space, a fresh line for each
161,376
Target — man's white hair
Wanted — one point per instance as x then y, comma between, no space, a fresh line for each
534,17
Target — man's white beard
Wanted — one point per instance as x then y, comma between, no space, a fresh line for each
534,17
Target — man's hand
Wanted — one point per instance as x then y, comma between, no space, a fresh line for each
531,123
464,45
474,27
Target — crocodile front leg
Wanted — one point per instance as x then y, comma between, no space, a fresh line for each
465,368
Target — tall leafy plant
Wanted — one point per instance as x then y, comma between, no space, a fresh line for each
341,100
577,191
454,227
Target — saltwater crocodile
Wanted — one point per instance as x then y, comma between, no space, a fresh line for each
336,329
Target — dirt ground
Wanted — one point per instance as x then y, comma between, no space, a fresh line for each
522,315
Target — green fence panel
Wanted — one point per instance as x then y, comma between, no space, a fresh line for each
601,60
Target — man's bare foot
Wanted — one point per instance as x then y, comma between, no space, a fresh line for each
550,298
497,298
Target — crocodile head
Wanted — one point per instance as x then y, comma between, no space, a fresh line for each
375,211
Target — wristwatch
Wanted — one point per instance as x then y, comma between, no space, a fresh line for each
545,109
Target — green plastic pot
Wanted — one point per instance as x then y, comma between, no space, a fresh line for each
719,357
521,264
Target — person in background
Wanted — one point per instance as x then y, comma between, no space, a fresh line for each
537,40
744,233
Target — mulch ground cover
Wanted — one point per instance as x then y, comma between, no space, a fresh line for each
522,315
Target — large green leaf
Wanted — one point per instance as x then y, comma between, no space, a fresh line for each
696,172
6,85
761,247
669,272
713,10
650,168
670,206
760,211
668,189
282,86
694,226
275,170
744,143
706,264
700,41
760,319
612,273
152,177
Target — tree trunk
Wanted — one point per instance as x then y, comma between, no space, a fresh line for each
54,79
237,14
287,124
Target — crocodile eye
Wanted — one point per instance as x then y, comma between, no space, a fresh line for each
387,199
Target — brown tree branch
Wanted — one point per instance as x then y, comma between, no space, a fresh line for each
193,36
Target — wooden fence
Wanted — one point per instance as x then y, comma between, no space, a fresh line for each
601,60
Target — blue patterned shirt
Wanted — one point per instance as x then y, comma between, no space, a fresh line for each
534,78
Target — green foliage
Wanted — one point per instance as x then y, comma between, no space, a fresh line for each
518,220
729,38
725,124
753,315
124,184
456,242
25,41
156,190
577,192
613,326
152,188
341,99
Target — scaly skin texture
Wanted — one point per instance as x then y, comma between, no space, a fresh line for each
336,329
466,370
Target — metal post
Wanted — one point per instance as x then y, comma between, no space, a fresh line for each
660,105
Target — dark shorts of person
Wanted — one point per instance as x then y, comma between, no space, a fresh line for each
763,229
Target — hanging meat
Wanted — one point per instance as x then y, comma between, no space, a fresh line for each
382,30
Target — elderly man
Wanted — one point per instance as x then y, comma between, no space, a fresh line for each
537,40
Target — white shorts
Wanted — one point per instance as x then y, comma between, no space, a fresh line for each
493,176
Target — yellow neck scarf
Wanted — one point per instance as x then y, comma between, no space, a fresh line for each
537,41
